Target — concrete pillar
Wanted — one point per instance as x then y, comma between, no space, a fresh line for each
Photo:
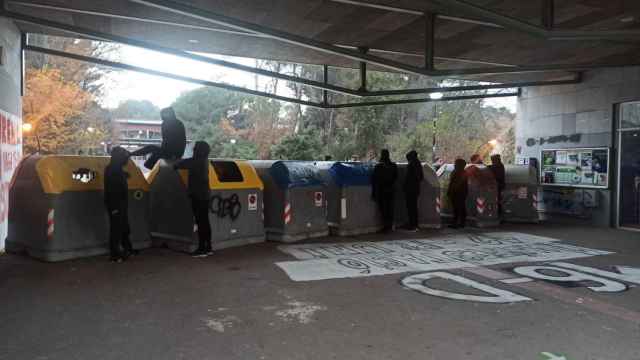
10,114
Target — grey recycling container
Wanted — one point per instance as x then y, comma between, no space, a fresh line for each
57,212
294,200
428,202
235,207
519,198
482,202
350,207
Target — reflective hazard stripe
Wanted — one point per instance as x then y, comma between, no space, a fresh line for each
50,223
438,205
480,205
287,213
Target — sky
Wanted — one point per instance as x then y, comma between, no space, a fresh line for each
123,85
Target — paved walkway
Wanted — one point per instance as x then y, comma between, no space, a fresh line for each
240,305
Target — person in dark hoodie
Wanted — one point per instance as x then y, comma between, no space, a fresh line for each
198,187
116,196
497,168
174,140
411,188
383,182
457,193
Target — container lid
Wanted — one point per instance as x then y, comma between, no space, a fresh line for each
60,173
351,173
291,174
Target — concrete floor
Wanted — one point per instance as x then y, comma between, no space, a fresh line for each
239,305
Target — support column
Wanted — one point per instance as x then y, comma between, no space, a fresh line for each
363,70
429,44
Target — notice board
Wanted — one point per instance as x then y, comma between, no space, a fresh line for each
577,167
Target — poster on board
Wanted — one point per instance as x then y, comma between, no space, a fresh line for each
10,155
581,167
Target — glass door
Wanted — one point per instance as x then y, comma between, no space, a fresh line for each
629,166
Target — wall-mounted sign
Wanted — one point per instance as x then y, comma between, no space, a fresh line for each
83,175
579,167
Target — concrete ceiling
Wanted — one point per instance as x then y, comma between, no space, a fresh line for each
393,34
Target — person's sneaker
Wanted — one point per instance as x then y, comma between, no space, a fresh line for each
209,252
199,253
118,259
410,229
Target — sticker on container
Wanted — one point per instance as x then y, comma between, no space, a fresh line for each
253,202
522,192
318,198
343,208
138,195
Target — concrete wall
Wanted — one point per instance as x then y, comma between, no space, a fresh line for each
584,110
10,114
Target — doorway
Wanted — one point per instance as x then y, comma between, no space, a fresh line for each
629,166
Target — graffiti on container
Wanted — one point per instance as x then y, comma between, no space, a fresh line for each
575,138
223,207
567,201
83,175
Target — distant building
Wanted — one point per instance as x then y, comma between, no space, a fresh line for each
132,134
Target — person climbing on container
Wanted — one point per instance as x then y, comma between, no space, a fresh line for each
383,182
198,188
174,140
497,168
412,189
457,194
116,200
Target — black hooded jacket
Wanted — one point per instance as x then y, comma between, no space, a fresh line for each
384,176
198,167
458,187
116,188
414,175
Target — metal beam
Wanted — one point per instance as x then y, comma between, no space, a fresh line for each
414,12
122,66
461,6
429,40
423,100
363,71
146,45
243,33
187,10
576,80
548,14
171,51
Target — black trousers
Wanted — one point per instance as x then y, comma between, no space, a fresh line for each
459,210
156,152
412,208
201,214
119,231
386,205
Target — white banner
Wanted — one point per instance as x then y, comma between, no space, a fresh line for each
10,155
348,260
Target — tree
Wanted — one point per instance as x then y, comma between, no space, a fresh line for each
136,109
49,105
302,146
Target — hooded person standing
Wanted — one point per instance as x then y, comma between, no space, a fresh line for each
457,193
411,188
198,188
383,182
116,200
174,140
497,168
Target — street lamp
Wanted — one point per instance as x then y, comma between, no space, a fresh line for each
435,96
27,128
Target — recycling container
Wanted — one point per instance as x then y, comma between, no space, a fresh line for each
57,211
519,198
235,206
294,200
482,201
350,207
428,202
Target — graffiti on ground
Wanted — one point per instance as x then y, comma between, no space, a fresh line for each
348,260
